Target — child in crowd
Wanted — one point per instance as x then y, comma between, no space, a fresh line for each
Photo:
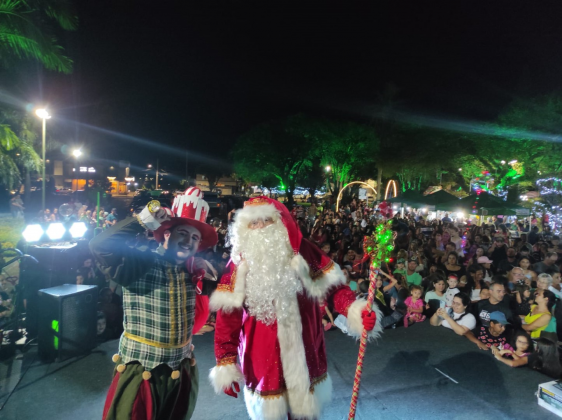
485,293
400,267
523,297
415,306
516,354
453,282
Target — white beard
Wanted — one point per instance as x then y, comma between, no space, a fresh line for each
271,282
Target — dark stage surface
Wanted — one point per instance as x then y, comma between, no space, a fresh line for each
400,381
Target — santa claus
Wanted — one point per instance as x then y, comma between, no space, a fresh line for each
269,317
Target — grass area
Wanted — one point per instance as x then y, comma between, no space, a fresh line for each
10,230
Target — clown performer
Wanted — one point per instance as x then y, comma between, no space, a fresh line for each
156,376
268,315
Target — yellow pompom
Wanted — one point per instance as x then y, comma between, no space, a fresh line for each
116,358
121,368
175,374
146,375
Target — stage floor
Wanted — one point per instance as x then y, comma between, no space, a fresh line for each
401,380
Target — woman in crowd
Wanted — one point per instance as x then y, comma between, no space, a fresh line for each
530,275
479,252
438,290
452,265
458,319
472,282
539,317
517,354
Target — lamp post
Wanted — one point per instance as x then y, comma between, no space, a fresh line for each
44,115
76,153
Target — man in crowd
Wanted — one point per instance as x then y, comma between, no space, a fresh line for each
498,250
533,237
412,276
156,377
16,206
506,265
111,218
496,303
547,266
493,335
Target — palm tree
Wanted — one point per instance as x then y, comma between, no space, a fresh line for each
26,32
18,158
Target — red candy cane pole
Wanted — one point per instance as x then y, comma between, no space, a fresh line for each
362,348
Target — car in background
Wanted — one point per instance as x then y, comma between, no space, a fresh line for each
63,191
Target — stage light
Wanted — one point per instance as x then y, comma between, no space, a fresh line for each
32,233
78,229
55,231
76,153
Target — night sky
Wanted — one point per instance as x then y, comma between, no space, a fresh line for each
175,76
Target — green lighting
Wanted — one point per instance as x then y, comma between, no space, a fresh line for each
55,328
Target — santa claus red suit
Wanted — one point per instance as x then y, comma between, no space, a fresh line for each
269,330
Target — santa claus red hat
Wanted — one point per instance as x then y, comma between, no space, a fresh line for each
262,207
191,209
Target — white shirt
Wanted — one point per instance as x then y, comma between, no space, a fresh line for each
449,295
467,321
475,295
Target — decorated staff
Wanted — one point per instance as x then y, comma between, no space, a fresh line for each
377,248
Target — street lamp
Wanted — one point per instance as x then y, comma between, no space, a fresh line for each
76,153
44,115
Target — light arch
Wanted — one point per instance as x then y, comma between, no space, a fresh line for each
352,183
388,185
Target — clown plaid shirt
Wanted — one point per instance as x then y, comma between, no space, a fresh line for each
158,298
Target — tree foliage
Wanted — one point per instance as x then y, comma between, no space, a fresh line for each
27,31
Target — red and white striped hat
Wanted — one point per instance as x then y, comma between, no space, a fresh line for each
190,208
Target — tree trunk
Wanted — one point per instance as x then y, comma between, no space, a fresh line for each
27,186
379,183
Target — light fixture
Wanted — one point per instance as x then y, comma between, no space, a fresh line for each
460,169
76,153
55,231
328,168
460,215
90,169
32,233
503,162
78,229
511,162
42,113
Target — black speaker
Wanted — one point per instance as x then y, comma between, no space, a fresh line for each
67,321
55,266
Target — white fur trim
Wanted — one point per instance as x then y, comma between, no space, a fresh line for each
270,408
302,402
252,212
317,288
355,322
260,408
222,377
289,335
228,301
